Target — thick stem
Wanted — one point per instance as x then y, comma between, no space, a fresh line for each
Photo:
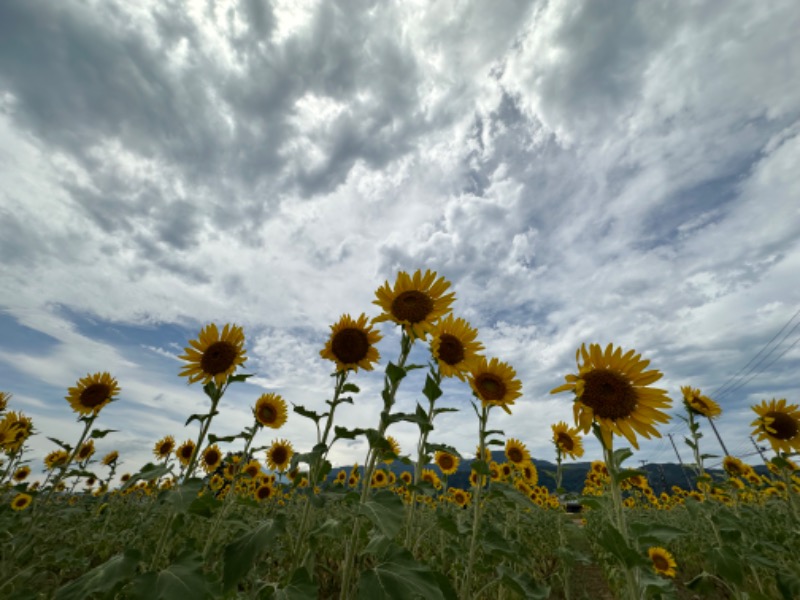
476,503
203,431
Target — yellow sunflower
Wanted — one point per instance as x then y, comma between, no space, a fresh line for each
15,429
252,469
495,383
86,451
21,474
447,463
431,477
212,458
341,477
779,423
57,458
164,447
92,393
416,302
4,398
21,501
352,344
517,453
734,466
663,562
454,346
213,355
611,389
270,411
567,440
264,492
530,473
406,477
460,497
394,446
699,404
111,458
184,452
279,455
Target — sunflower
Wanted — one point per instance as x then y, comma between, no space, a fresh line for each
184,452
216,483
92,393
447,463
252,468
394,449
454,347
111,458
352,344
164,447
21,501
341,477
213,355
57,458
379,478
4,398
270,411
495,383
611,389
530,474
15,428
460,497
779,423
279,455
86,451
663,562
699,404
734,466
431,477
212,458
264,492
517,453
406,477
416,302
21,474
567,440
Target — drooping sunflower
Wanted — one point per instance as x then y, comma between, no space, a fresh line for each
352,344
92,393
21,474
517,453
779,423
212,458
164,447
184,452
663,561
447,463
415,302
611,389
699,404
495,383
15,429
279,455
214,355
567,440
270,411
21,501
454,346
86,451
111,458
57,458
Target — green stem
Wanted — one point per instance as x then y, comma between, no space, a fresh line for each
216,396
75,450
476,503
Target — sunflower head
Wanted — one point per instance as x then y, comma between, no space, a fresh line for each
612,390
4,399
214,355
184,452
252,469
663,562
394,449
416,301
111,458
270,411
778,423
516,453
279,455
15,428
352,344
264,492
21,501
699,404
495,383
568,441
431,477
164,447
212,458
92,393
447,463
454,346
86,451
56,459
21,474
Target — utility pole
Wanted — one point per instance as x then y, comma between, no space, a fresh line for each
721,443
683,469
758,449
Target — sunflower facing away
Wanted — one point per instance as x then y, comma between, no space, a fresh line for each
779,423
612,390
394,446
270,411
214,355
567,440
663,562
415,302
495,383
352,344
279,455
92,393
164,447
700,404
447,463
454,346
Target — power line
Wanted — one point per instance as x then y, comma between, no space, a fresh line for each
746,381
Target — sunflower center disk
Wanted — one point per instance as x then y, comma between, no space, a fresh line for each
267,414
565,441
451,350
350,346
412,306
445,463
784,425
514,455
218,358
660,562
95,395
608,394
279,456
490,387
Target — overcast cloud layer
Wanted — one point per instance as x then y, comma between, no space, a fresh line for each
580,172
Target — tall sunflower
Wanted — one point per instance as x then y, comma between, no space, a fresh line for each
279,455
184,452
92,393
454,346
663,561
611,389
778,423
517,453
495,383
415,302
212,458
57,458
447,463
352,344
214,355
164,447
567,440
270,411
699,404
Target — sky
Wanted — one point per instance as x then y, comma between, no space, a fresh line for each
580,172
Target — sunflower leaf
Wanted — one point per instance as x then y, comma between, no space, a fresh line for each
627,474
240,555
481,467
522,584
213,439
438,411
196,417
395,373
343,433
386,511
308,414
101,433
103,579
350,387
182,579
240,377
64,445
399,577
300,587
441,448
431,390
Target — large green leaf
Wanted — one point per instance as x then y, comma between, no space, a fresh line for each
653,533
399,577
523,584
182,579
300,587
103,579
386,511
241,554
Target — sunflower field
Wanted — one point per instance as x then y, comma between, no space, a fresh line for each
271,520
